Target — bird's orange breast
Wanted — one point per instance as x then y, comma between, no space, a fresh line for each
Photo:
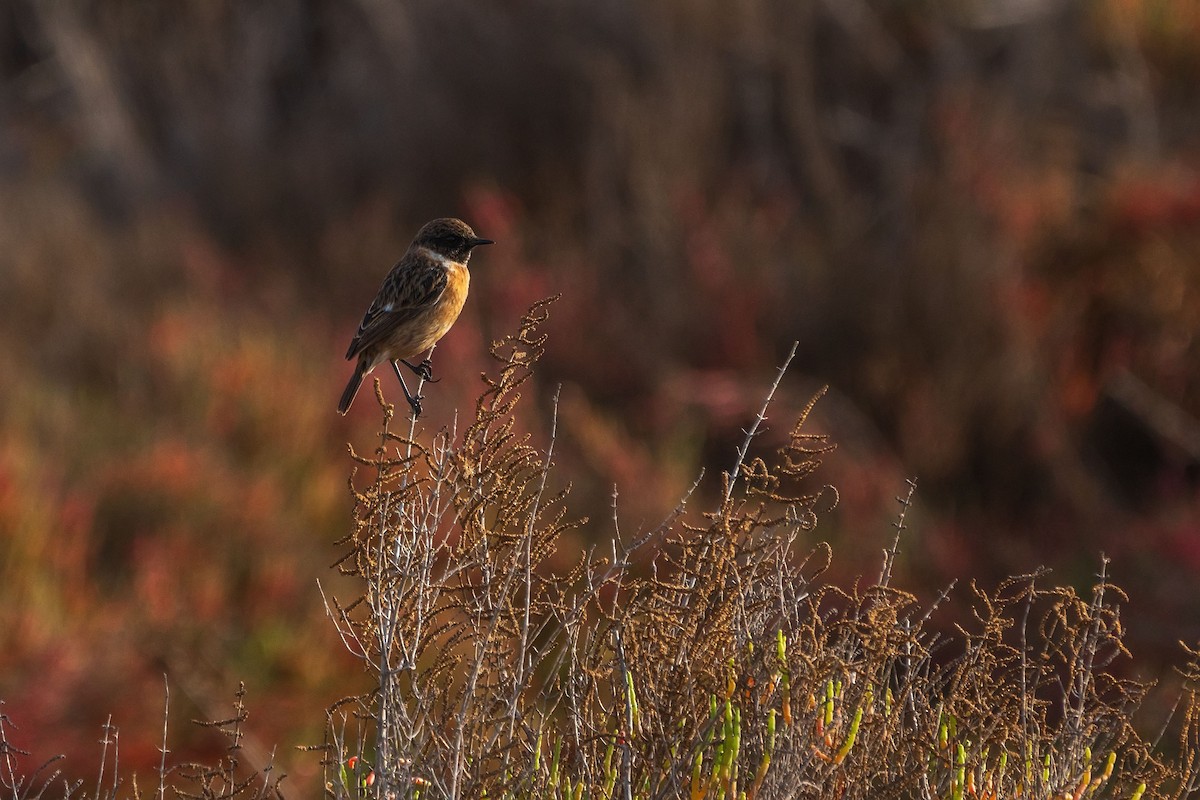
423,331
450,304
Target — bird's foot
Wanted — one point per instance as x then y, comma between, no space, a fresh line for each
415,403
414,400
424,370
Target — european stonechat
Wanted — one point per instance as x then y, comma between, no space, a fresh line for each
419,300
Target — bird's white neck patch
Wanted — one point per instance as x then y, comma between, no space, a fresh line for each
438,257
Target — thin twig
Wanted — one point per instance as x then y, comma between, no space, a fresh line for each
162,763
889,555
758,420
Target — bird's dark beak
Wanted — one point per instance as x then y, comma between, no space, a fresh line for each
477,241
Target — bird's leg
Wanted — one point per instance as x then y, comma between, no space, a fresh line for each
414,400
424,370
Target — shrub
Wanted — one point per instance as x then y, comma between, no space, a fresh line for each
702,658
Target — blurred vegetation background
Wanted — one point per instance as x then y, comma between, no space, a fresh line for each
980,220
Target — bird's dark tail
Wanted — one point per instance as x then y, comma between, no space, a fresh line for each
352,387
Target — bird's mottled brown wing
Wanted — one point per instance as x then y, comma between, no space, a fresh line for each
413,285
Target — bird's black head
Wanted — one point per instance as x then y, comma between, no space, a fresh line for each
449,237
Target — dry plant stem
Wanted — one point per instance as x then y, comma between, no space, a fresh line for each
628,727
523,567
385,613
7,752
1026,712
889,555
162,763
527,559
758,420
111,735
1083,676
23,787
731,477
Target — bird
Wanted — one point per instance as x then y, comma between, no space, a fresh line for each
419,301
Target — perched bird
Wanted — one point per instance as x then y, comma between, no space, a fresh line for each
419,300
